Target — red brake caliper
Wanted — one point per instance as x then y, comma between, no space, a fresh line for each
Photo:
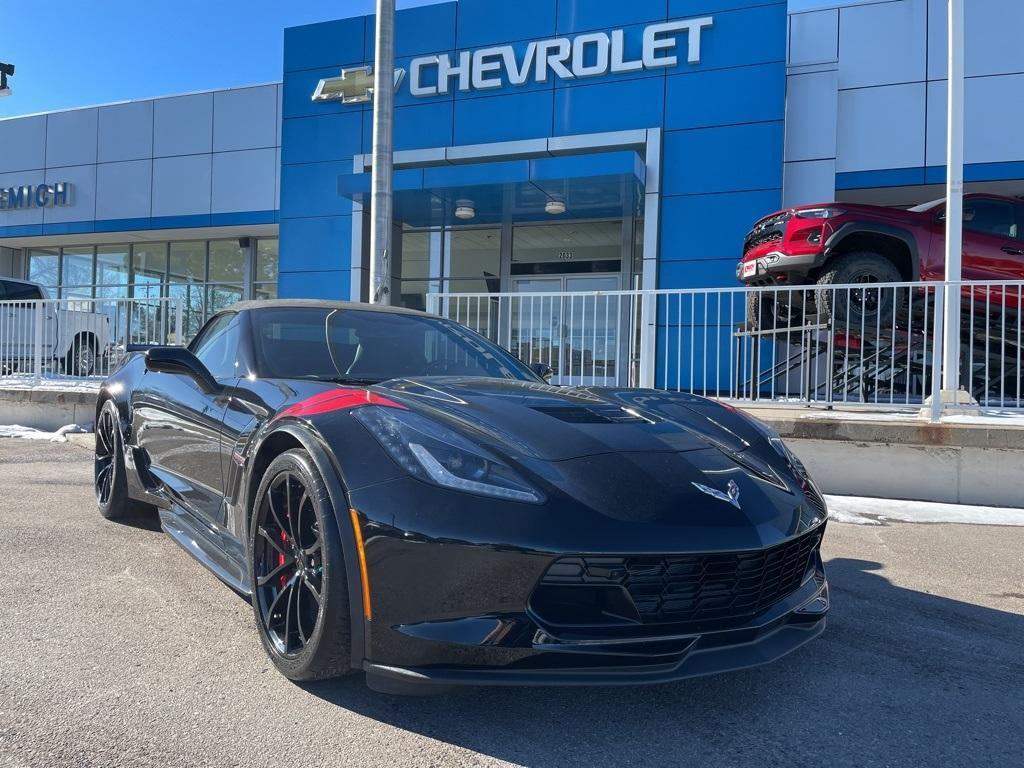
283,578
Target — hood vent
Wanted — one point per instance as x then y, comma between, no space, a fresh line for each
601,414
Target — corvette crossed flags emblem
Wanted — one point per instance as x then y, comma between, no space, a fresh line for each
353,86
732,496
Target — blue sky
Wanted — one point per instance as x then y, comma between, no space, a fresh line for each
72,53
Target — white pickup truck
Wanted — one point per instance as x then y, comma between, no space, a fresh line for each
73,339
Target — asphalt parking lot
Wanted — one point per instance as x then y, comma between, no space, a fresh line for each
119,650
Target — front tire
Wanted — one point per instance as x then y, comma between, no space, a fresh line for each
860,307
298,581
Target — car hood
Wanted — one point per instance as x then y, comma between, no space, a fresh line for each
559,423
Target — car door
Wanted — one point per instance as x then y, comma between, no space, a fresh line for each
993,249
178,425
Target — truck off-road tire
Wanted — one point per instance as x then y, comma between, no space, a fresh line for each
83,356
860,308
774,311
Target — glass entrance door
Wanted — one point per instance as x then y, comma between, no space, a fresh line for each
568,322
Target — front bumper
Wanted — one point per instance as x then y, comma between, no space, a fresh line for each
651,661
778,268
457,611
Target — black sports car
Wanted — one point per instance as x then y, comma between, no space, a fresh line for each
398,495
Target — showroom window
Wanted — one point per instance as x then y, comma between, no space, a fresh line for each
208,275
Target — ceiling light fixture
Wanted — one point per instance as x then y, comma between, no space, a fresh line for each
464,209
554,207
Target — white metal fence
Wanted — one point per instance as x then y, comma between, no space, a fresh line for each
864,343
80,339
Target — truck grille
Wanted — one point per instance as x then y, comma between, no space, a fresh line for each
696,588
767,231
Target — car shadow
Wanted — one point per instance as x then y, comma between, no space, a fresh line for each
898,678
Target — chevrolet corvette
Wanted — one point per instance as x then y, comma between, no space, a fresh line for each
397,495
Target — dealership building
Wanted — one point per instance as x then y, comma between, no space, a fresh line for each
567,145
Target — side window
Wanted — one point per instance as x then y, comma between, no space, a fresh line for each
217,346
991,217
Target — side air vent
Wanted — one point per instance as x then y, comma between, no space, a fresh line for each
574,414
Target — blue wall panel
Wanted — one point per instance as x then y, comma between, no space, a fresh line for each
486,22
711,226
312,190
334,285
329,44
613,106
419,126
316,139
503,118
584,15
725,97
425,30
727,159
321,243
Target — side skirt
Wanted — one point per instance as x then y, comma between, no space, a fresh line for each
191,537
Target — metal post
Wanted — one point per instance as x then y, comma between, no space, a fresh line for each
648,338
954,197
381,180
179,310
936,393
37,342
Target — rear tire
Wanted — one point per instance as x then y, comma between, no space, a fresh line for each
109,479
865,307
298,580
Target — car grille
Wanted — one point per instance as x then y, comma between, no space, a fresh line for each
767,231
696,588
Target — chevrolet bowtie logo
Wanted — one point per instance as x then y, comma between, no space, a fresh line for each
354,86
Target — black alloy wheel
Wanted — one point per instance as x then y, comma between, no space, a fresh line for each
109,480
289,564
298,575
106,456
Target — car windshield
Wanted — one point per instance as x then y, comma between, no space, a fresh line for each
366,346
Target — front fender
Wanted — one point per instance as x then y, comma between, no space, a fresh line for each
323,459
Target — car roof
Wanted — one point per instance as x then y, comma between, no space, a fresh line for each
259,304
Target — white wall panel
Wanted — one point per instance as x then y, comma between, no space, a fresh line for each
811,102
994,108
181,185
183,125
71,138
883,44
881,128
245,118
279,119
21,216
993,32
809,182
244,181
83,193
126,131
814,37
22,143
123,189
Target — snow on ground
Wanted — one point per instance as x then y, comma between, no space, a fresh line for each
985,418
28,433
50,384
860,510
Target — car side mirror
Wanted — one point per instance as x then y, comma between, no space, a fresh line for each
182,362
543,370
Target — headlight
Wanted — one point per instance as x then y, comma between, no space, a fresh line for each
434,453
820,213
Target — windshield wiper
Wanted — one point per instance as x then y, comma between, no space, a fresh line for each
347,380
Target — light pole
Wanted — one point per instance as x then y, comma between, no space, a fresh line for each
383,159
954,200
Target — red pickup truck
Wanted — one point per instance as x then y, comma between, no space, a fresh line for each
842,243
